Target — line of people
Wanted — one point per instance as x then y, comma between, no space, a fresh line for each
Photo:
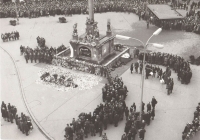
134,125
44,55
23,122
155,71
10,36
111,112
192,128
177,63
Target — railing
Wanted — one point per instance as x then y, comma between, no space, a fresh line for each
64,52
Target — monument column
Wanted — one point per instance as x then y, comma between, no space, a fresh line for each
91,9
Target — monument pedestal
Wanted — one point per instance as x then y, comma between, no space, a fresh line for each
91,46
75,37
109,33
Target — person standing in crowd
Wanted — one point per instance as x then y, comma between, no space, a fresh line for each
26,57
148,107
21,50
136,67
152,114
141,132
143,104
153,102
131,68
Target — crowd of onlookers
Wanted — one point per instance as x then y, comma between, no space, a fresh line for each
69,7
177,63
134,125
109,112
192,128
10,36
190,23
23,122
174,62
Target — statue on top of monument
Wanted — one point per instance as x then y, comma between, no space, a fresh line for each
75,32
108,25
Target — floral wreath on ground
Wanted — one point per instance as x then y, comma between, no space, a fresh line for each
64,80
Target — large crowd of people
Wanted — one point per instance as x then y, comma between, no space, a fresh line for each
115,92
67,7
109,112
45,8
23,122
134,125
177,63
192,128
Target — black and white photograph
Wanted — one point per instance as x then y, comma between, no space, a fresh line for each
100,69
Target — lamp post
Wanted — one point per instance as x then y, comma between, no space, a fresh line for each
145,48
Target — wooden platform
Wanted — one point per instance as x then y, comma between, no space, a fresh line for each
162,11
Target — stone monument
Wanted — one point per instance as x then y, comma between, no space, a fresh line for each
92,46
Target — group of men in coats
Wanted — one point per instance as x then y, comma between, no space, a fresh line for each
44,55
192,128
23,122
134,125
10,36
172,62
111,112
